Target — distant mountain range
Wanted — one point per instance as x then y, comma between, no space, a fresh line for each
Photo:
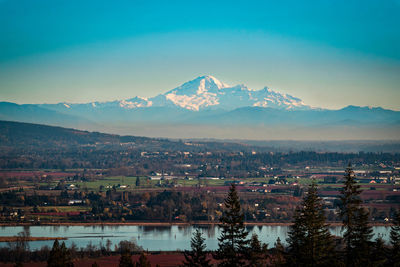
208,108
202,93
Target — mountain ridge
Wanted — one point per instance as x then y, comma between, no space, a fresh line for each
203,92
207,108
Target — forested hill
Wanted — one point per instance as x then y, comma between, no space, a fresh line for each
28,136
17,133
33,146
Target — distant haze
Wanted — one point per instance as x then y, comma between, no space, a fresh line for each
251,133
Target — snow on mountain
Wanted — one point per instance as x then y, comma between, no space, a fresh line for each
193,95
136,102
200,85
206,92
202,93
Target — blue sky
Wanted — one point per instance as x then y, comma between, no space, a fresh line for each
328,53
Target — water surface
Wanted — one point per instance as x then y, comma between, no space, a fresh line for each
153,238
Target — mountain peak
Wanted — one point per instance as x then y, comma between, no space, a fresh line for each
198,93
200,85
212,80
208,92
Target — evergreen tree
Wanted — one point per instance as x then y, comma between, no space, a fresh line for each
362,244
310,243
65,256
394,254
296,238
126,259
54,254
278,254
379,253
197,257
257,252
358,233
349,204
137,183
143,261
59,256
233,239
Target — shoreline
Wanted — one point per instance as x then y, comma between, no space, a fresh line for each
165,224
29,238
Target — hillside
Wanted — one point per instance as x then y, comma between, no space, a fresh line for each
23,136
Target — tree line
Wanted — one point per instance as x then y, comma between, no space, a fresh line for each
131,161
309,241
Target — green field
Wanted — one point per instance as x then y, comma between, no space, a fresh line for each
109,182
130,182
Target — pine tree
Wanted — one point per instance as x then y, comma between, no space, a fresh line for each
278,254
65,256
143,261
394,254
137,183
310,243
296,238
59,256
358,233
197,257
379,253
233,239
54,254
257,252
362,243
350,202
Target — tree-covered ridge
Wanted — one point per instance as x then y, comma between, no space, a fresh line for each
33,146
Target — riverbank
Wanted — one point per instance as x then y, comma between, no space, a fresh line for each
29,238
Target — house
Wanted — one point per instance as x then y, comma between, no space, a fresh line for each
75,202
71,187
264,190
211,178
167,177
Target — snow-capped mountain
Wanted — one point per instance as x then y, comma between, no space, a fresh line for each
206,92
206,107
202,93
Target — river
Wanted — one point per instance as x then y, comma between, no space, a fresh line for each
152,238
